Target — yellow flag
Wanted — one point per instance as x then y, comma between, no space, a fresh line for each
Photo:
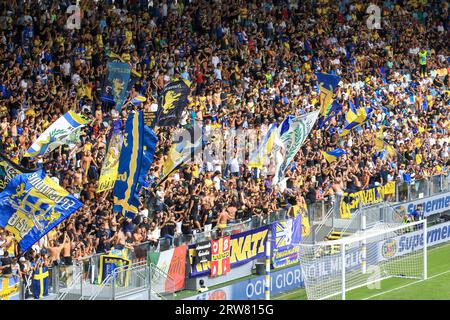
418,158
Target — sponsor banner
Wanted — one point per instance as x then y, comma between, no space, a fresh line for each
173,263
202,252
284,235
10,288
364,197
413,241
244,247
431,205
220,256
331,264
253,289
108,263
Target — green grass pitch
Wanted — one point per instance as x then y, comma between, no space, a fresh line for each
436,287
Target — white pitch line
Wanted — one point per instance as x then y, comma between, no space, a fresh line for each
406,285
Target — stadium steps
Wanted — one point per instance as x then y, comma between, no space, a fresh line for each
336,235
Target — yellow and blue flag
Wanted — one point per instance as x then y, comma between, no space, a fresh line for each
62,131
110,167
138,100
173,100
327,83
260,154
10,288
331,156
136,157
363,114
352,114
183,151
32,204
40,282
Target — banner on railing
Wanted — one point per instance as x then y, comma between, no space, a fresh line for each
430,205
220,256
284,234
244,247
173,263
202,252
352,201
10,288
107,265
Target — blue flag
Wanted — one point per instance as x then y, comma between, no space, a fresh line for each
297,230
116,84
327,83
32,204
136,157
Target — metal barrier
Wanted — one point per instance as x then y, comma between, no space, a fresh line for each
422,188
161,284
135,279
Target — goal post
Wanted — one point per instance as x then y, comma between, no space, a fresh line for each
331,269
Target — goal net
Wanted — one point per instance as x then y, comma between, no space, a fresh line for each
332,268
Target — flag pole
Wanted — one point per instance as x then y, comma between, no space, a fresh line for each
267,282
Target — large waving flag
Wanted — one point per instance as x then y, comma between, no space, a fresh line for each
116,84
183,151
173,100
62,131
264,149
352,114
8,170
327,83
363,114
110,167
136,157
292,134
331,156
32,204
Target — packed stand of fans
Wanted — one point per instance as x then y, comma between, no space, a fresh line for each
250,64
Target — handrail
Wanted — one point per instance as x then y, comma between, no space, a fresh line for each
101,287
154,270
77,278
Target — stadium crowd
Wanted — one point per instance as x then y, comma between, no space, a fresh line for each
251,64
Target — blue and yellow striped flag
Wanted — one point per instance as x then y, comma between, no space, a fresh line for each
331,156
136,157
